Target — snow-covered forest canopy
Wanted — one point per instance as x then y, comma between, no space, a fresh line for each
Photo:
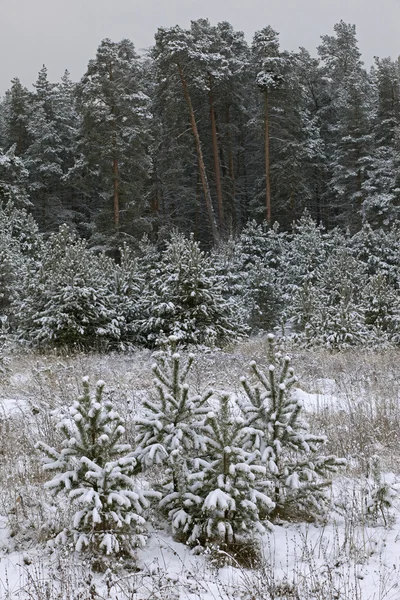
204,132
206,189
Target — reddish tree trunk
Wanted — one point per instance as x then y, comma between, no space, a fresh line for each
216,154
231,169
202,169
267,162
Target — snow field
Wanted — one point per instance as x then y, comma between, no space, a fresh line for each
352,395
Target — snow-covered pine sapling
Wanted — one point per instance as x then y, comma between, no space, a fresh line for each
94,470
379,501
296,478
170,430
226,502
174,418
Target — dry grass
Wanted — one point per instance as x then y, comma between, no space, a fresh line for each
364,422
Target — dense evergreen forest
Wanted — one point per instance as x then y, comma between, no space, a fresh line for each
205,132
206,190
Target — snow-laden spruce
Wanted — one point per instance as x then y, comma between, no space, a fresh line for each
296,474
19,245
94,470
249,269
70,297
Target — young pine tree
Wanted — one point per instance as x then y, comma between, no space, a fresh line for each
70,297
170,431
381,310
338,320
226,504
94,470
295,471
184,298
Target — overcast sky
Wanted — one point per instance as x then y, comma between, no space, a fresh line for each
64,34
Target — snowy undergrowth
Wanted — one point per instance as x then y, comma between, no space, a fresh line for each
351,397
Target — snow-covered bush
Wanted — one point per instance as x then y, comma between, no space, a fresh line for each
249,269
337,319
382,310
19,244
94,471
306,251
379,251
296,473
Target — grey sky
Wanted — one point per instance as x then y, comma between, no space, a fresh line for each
64,34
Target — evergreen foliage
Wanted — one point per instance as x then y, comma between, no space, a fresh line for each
13,179
338,320
170,431
94,470
226,504
296,474
172,421
232,466
205,133
382,310
19,243
113,165
69,297
183,297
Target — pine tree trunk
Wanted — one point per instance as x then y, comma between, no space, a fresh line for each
215,153
231,168
267,161
116,193
115,159
230,155
197,213
202,169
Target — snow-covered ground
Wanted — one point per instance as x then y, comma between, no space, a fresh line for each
348,557
314,562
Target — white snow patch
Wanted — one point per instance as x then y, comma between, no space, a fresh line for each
315,402
12,406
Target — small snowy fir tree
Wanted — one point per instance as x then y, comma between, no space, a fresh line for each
296,474
94,470
183,297
338,320
170,431
382,310
127,283
249,270
70,297
380,498
19,242
225,503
